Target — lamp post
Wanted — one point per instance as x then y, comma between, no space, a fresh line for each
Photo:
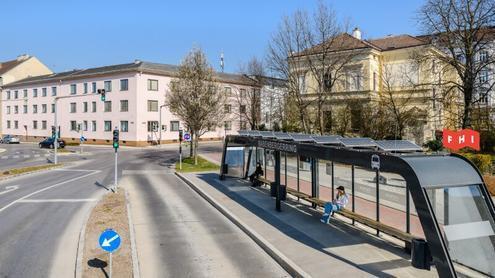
160,126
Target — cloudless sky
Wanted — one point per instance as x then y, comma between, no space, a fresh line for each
68,34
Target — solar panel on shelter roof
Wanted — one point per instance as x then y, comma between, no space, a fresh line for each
358,142
282,136
398,146
299,137
327,139
243,132
267,134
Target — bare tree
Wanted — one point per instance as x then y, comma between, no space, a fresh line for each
249,100
289,39
463,30
194,97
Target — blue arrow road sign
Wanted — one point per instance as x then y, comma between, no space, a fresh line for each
109,240
83,138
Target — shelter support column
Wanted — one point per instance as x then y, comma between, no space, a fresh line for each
314,179
277,179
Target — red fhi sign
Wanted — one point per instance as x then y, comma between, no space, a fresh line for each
457,140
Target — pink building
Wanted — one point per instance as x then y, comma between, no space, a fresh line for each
135,95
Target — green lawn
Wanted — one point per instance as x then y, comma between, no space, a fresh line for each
203,165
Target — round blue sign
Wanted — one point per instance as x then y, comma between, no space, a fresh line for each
187,136
109,240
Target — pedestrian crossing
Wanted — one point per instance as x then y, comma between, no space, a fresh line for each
17,156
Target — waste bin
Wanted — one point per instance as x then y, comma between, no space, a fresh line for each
273,191
420,254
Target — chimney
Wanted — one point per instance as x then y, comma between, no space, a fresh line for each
22,57
356,33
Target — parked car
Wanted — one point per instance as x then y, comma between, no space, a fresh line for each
9,139
48,143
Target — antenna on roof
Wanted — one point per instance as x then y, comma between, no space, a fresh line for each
222,64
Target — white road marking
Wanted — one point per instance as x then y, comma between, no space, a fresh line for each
76,170
47,154
36,155
147,172
56,200
5,157
15,156
9,188
46,188
27,156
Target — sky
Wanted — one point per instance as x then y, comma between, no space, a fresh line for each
78,34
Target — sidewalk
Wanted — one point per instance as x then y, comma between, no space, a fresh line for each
319,250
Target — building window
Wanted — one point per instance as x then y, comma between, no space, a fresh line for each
483,76
73,108
108,106
107,85
53,107
16,94
242,93
124,84
16,124
152,105
228,91
152,85
243,124
301,79
228,125
93,106
44,108
35,108
93,125
8,124
43,92
174,126
8,94
483,56
242,109
73,89
152,126
85,126
85,87
85,107
54,91
16,109
25,92
35,124
43,125
8,109
227,108
124,126
73,125
35,92
374,81
124,105
93,87
24,109
108,125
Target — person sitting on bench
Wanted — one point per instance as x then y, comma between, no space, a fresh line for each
257,173
337,204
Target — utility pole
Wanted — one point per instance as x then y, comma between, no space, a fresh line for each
116,147
180,149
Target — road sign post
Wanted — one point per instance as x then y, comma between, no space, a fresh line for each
109,241
180,149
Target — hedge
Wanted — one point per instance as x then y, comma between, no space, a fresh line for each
482,161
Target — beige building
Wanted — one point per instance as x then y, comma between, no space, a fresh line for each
22,67
365,76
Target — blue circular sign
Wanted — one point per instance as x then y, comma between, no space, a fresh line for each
187,136
109,240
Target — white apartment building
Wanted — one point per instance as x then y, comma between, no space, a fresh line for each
135,95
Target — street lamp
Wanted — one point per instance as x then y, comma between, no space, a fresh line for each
160,127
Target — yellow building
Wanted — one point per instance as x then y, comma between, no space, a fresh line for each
22,67
360,79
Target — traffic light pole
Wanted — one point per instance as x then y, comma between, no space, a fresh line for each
115,174
55,140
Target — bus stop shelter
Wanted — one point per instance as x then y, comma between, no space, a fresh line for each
439,197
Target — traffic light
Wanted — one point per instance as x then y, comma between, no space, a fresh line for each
102,93
116,139
180,135
54,130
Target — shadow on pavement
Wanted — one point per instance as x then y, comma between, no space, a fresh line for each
340,234
97,263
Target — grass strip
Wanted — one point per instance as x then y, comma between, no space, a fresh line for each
203,165
23,170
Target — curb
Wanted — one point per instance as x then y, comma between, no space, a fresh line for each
31,172
287,264
80,243
135,263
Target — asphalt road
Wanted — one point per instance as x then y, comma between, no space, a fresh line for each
41,216
179,234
